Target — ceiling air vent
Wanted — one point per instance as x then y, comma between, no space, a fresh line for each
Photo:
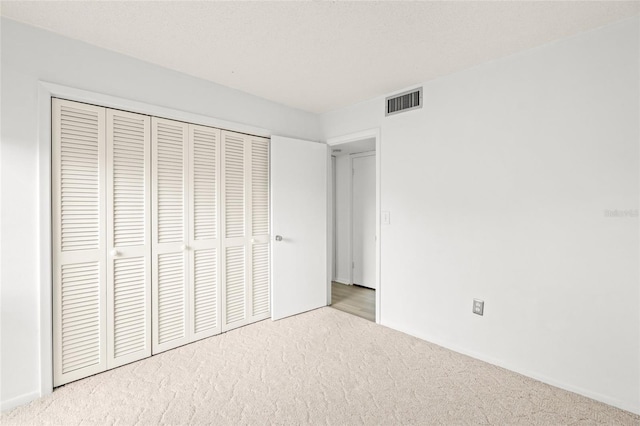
404,101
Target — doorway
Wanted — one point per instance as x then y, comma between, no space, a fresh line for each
354,280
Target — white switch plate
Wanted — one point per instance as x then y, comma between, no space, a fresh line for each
386,218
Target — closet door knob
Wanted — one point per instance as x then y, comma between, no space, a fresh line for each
278,237
185,247
115,253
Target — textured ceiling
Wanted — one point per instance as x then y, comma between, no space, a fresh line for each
317,56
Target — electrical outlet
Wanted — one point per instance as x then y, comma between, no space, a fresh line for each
478,306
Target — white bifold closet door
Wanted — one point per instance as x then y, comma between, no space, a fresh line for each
170,234
128,237
245,243
101,239
204,214
79,231
186,301
160,235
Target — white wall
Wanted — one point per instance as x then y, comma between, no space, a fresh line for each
343,222
497,189
30,55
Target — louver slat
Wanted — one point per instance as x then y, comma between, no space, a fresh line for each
234,186
260,279
235,284
205,290
260,187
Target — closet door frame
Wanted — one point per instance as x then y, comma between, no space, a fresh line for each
48,91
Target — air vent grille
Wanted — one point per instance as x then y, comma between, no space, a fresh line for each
404,101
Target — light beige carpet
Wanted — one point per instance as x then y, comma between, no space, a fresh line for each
321,367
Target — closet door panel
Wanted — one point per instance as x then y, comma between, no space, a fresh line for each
128,237
259,226
170,276
204,241
235,238
78,226
246,229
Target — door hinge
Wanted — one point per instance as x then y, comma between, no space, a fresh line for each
353,265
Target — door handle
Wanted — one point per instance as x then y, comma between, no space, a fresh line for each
278,237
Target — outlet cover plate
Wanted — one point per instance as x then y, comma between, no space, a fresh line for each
478,307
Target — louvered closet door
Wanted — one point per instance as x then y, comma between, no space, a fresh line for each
78,202
258,270
235,238
128,237
204,241
246,229
170,281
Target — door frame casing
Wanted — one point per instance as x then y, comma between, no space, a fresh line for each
47,91
333,142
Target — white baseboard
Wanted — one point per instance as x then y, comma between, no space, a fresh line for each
18,401
615,402
342,281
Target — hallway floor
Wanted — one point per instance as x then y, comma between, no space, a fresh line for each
355,300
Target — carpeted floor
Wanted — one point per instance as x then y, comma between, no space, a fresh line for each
321,367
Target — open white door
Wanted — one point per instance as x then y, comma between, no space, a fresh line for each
299,232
